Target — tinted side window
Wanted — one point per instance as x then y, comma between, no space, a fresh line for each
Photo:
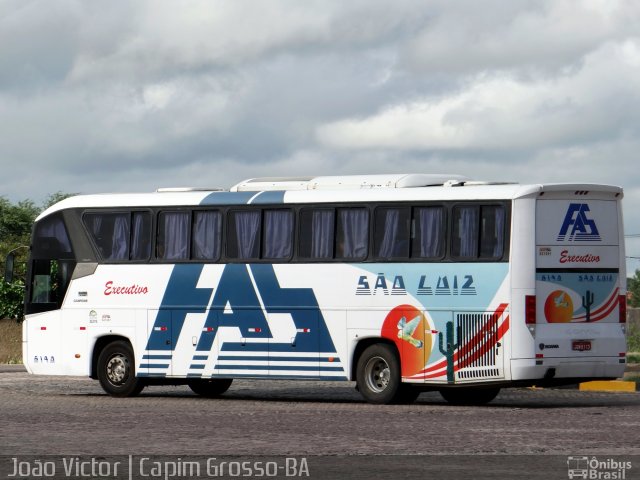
278,234
317,233
478,232
206,237
121,236
111,234
392,229
492,233
173,235
464,235
429,239
140,236
352,236
243,234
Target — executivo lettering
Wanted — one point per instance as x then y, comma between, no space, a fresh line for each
110,289
565,257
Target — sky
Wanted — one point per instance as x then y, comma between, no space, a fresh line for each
129,96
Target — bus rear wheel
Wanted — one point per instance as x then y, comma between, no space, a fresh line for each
378,375
469,396
210,388
117,371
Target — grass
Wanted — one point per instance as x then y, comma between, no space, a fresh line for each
633,338
10,341
633,357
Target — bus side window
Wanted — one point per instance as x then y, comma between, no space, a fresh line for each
111,234
317,227
429,234
464,241
277,241
206,235
140,236
243,234
392,228
173,235
492,232
352,237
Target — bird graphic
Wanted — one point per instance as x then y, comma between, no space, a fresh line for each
560,301
407,329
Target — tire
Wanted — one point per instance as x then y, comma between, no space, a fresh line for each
210,388
378,375
117,370
469,396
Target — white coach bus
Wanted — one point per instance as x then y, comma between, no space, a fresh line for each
403,283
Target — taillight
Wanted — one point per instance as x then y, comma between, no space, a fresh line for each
530,309
622,304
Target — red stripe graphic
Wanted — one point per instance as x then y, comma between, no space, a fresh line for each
475,348
607,307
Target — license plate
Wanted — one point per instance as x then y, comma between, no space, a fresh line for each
581,345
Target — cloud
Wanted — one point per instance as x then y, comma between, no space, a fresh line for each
159,40
503,112
525,36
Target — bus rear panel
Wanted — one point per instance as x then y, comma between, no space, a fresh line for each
576,313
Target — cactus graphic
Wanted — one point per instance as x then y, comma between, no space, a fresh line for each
587,301
450,350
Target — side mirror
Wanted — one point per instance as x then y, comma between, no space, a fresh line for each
8,267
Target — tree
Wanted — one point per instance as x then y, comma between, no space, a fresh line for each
633,287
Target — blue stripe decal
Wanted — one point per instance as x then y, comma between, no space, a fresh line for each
261,347
181,297
276,359
159,375
156,357
228,198
269,197
201,357
153,365
197,367
278,367
194,375
282,377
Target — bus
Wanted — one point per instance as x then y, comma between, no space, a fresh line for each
402,283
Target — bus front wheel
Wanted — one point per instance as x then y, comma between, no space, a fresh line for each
210,388
378,375
117,371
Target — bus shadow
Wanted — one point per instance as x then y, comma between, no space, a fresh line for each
508,399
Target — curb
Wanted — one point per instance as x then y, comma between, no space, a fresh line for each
609,386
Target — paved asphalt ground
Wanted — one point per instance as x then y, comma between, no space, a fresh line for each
523,433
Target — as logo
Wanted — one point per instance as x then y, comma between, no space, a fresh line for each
577,226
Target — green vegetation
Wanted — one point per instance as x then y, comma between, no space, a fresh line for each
633,340
16,220
633,287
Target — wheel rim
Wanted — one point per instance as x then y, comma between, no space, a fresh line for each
377,374
117,369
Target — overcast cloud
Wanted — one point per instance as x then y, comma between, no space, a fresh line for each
131,96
